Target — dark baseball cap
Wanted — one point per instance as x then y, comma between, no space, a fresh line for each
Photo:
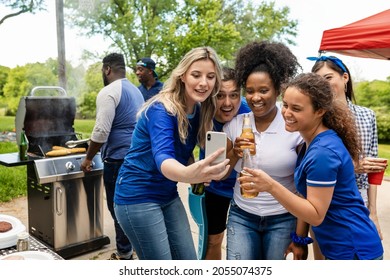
148,63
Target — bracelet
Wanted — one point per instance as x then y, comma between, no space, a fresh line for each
299,240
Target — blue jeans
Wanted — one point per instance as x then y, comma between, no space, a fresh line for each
158,232
253,237
110,174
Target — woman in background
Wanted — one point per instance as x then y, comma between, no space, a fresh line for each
339,77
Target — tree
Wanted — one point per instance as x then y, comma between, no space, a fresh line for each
92,84
3,78
167,29
375,95
22,79
19,7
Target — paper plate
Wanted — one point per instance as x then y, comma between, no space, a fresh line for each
9,238
28,256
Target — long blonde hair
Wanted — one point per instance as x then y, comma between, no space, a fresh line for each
173,97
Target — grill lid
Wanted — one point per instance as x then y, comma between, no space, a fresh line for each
46,120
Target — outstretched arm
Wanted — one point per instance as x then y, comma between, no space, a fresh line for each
311,210
200,171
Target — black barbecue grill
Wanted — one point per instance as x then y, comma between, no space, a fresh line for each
65,205
47,121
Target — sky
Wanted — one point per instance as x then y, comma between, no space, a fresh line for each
32,38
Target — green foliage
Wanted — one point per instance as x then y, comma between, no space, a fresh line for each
384,152
376,95
7,123
22,79
92,85
19,7
167,29
13,179
383,124
3,78
373,94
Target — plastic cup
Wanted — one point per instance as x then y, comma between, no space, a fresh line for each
376,178
243,192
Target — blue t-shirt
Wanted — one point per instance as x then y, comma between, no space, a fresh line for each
148,93
347,229
155,139
225,187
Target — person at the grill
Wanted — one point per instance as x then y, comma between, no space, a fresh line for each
117,105
147,76
170,125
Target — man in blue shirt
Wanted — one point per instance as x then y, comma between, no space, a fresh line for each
147,76
219,193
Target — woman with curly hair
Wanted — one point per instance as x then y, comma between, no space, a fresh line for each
260,227
170,124
325,177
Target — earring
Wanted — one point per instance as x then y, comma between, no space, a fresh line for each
345,87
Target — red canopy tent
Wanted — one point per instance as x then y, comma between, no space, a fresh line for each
368,37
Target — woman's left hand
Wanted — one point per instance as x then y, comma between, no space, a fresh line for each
259,181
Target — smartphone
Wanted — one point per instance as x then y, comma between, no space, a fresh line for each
214,141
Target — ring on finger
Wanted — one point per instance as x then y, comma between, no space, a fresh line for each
252,184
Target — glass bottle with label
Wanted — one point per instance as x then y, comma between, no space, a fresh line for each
23,147
247,161
248,134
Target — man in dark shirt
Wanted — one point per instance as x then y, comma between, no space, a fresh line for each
147,76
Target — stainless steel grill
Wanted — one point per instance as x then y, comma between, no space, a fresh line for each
65,205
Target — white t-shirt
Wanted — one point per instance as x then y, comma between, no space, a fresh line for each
275,154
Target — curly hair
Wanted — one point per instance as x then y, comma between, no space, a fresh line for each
273,58
337,117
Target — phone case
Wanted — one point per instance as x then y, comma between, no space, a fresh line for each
214,141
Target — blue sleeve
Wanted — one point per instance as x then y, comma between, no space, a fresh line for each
161,127
322,167
244,107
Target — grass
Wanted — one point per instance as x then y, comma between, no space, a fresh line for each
13,179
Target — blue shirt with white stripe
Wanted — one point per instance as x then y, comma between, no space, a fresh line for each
347,229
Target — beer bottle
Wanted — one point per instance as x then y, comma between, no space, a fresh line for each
247,161
198,189
23,146
248,134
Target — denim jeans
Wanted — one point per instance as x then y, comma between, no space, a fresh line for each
158,232
110,174
252,237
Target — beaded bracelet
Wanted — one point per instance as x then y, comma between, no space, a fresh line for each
299,240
